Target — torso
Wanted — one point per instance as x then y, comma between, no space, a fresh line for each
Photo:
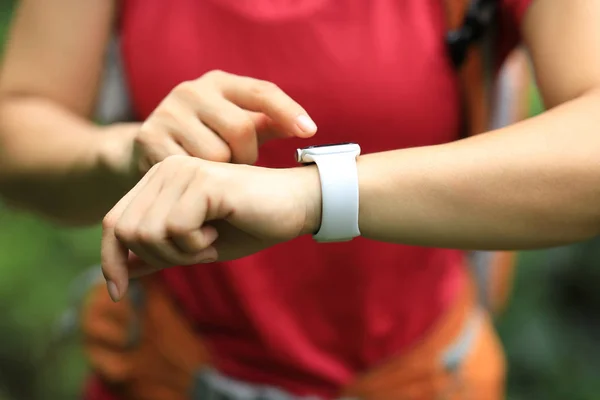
304,316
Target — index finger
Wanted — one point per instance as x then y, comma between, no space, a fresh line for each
113,253
266,97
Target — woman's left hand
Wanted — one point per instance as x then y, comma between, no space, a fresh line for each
187,211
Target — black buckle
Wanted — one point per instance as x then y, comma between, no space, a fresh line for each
478,18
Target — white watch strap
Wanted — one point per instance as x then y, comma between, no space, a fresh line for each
339,188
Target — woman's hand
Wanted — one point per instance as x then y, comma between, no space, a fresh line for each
217,117
187,211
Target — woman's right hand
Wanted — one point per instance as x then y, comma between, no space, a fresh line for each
218,117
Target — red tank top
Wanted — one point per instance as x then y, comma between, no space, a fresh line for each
304,316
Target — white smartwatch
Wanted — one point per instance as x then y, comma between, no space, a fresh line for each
339,187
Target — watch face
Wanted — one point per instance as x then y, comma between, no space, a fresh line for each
327,145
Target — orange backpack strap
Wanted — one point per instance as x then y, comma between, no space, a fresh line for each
142,347
469,24
492,97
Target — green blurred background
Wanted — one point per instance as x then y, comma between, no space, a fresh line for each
549,330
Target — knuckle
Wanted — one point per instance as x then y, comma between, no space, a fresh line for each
109,221
264,88
125,233
147,135
149,235
186,89
240,128
156,167
166,113
246,127
177,165
173,161
145,130
177,226
215,74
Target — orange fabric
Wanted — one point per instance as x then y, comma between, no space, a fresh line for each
503,271
161,365
455,11
419,374
158,366
471,74
476,98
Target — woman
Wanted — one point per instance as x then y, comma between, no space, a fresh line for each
305,319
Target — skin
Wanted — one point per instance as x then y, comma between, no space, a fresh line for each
527,186
47,98
531,185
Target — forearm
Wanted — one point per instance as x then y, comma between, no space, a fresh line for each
55,163
531,185
534,184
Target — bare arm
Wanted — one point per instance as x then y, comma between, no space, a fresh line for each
52,159
534,184
55,162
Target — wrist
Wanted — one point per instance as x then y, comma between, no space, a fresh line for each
116,148
309,183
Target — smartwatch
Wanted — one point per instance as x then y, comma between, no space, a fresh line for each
339,187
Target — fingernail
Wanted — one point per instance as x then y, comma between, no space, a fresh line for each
113,291
306,124
208,260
